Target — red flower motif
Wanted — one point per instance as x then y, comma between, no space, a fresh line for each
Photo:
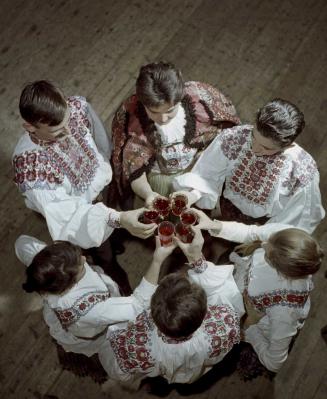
216,342
211,327
122,353
91,299
82,306
31,175
142,354
141,339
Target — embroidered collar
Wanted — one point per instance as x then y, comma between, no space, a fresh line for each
169,340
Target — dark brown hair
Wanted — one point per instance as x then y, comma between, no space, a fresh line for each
178,306
54,268
159,83
281,121
42,102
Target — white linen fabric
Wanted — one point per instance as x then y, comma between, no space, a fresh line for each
139,349
283,187
61,179
174,155
78,318
285,302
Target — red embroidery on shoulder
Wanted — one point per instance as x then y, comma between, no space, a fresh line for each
303,169
80,308
290,298
35,170
131,346
253,178
221,326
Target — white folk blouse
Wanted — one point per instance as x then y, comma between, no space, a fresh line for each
284,301
283,187
139,349
78,318
61,179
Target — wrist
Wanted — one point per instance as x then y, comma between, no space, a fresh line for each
199,265
114,219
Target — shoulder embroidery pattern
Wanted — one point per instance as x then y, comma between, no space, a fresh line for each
290,298
221,326
80,308
74,155
253,178
34,170
302,172
132,345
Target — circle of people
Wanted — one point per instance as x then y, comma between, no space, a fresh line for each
170,138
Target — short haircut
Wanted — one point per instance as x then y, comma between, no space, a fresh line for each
42,102
281,121
158,84
54,268
294,253
178,306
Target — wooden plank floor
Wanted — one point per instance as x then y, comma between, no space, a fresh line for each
253,50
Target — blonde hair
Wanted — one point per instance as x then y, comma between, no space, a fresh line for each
292,252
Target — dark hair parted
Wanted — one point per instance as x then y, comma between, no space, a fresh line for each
54,269
159,83
42,102
294,253
281,121
178,306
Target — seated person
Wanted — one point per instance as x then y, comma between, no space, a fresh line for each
160,131
193,322
275,277
255,174
61,166
80,301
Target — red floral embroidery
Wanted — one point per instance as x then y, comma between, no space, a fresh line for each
290,298
72,157
80,308
131,345
303,171
34,170
221,325
255,178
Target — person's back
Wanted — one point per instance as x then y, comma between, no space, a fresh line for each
192,324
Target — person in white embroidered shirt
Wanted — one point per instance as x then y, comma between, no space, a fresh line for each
275,276
79,300
61,167
258,174
193,323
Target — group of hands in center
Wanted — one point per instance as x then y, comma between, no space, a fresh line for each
129,220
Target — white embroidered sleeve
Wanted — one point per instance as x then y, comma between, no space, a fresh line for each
72,218
219,285
303,209
120,309
239,232
207,176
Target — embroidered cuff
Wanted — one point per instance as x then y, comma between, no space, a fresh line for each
199,266
114,219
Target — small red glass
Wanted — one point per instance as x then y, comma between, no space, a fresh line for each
179,203
150,216
166,233
184,232
162,205
189,217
